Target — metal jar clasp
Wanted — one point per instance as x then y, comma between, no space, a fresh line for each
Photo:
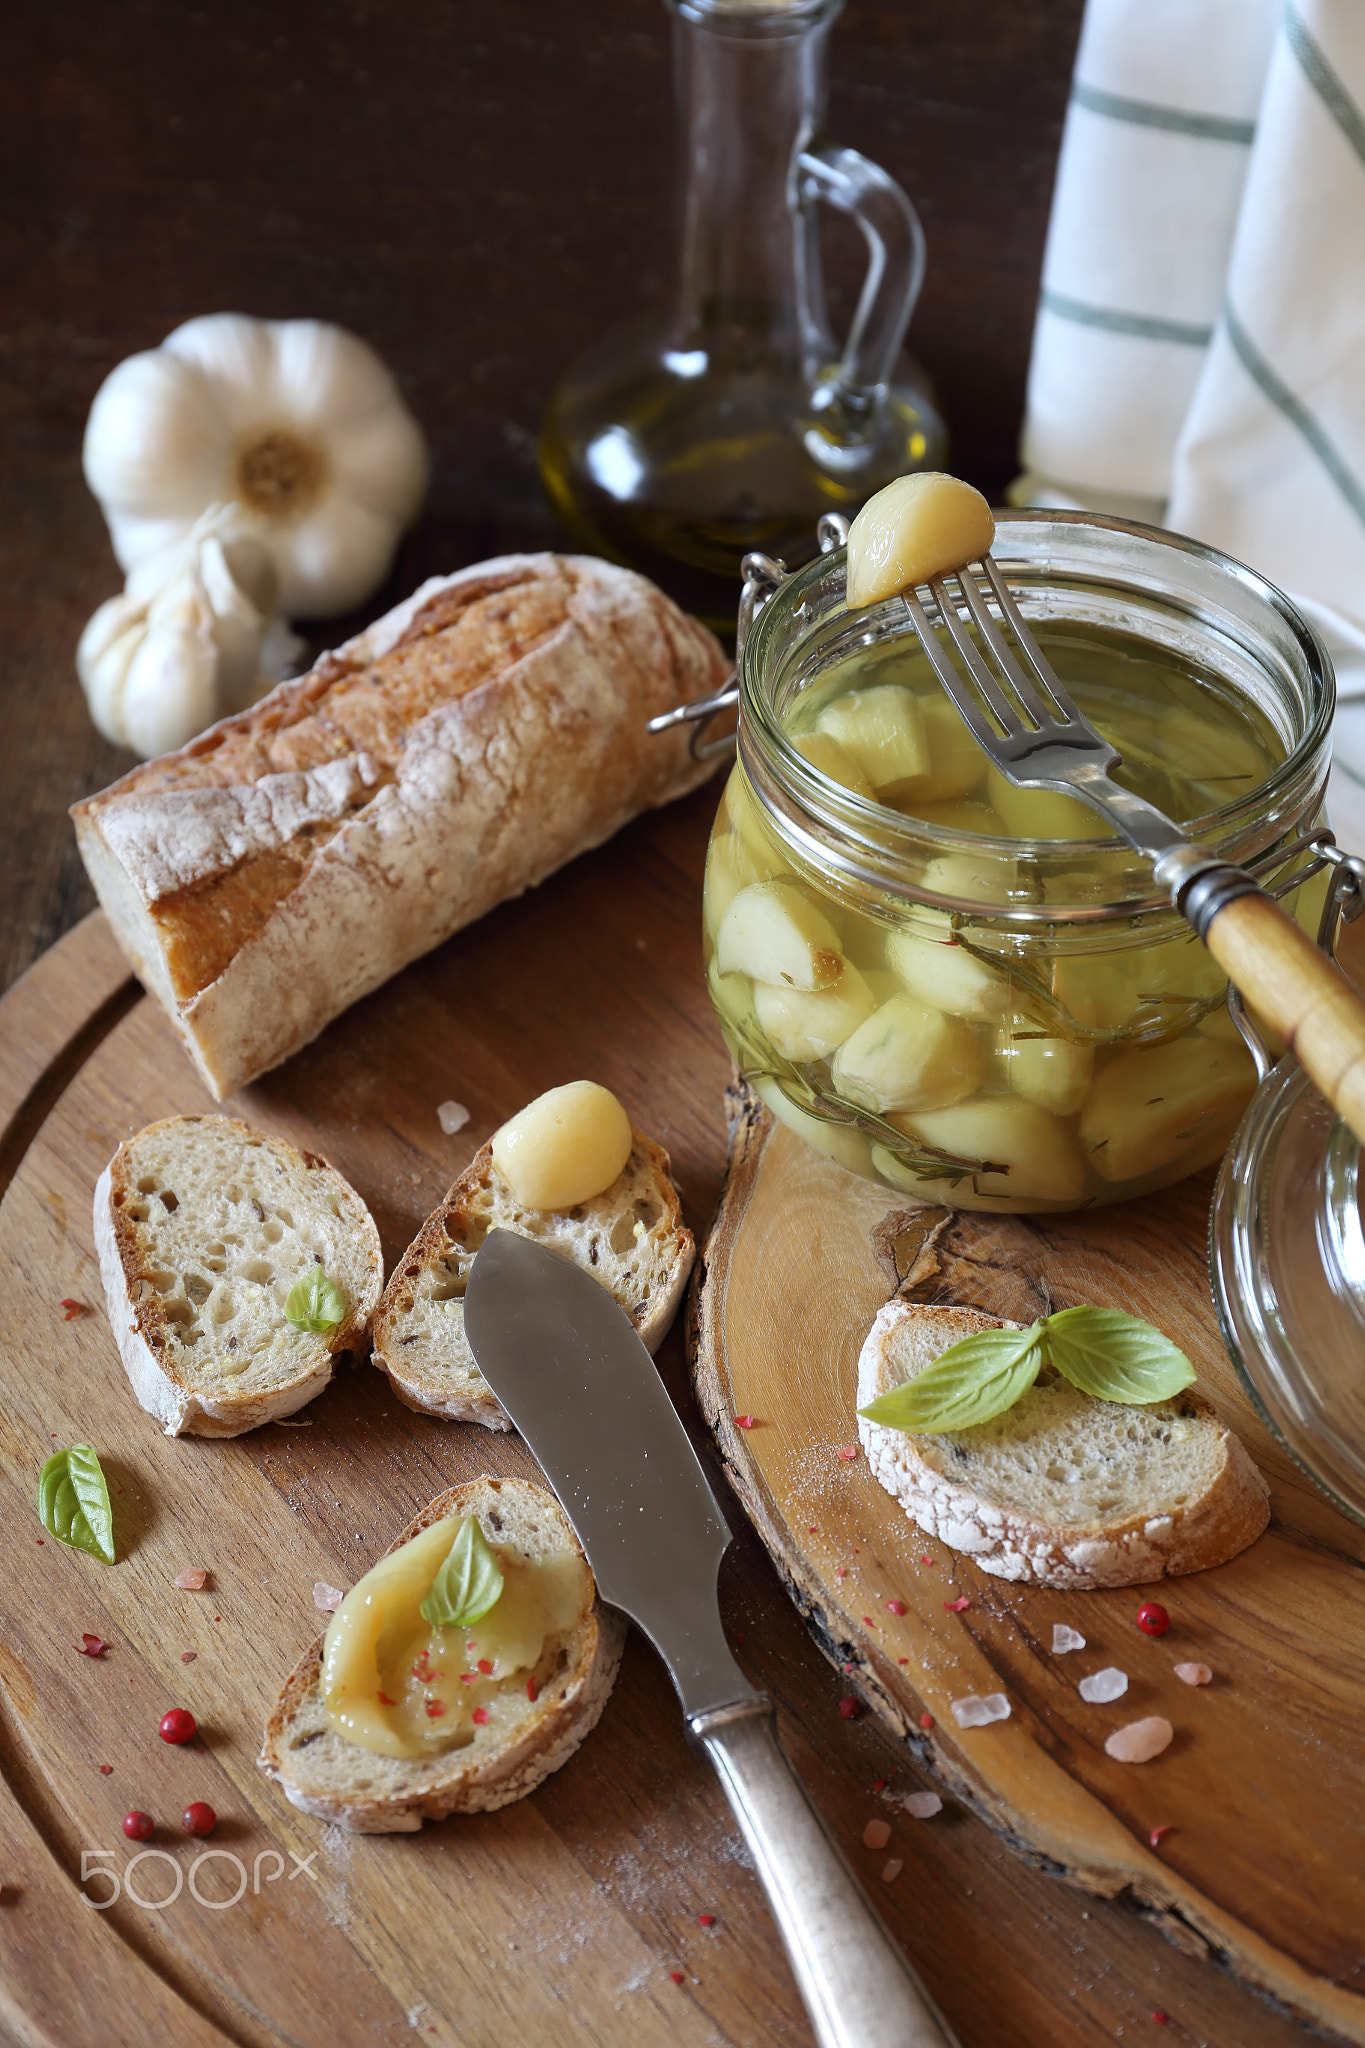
763,577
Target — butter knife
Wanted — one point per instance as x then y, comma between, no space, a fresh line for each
568,1367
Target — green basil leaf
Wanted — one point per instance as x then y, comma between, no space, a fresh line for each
315,1303
968,1383
73,1501
468,1583
1115,1357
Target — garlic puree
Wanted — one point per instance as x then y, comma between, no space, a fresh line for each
396,1685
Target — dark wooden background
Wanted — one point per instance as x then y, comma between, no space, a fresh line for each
479,190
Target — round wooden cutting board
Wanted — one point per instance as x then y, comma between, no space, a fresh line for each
1263,1789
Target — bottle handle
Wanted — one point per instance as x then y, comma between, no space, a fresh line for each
890,227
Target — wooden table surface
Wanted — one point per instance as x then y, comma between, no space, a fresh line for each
478,191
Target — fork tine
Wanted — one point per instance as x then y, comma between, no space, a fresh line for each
1028,646
991,686
952,679
1044,715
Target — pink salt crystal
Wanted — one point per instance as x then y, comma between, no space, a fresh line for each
452,1117
847,1451
978,1711
1193,1674
1140,1741
892,1869
1103,1686
327,1598
1064,1639
191,1579
876,1834
922,1805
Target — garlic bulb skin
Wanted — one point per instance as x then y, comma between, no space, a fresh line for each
295,422
167,658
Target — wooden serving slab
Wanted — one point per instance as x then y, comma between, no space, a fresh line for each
1263,1789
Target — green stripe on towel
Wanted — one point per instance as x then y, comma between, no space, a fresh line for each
1147,114
1273,387
1320,74
1144,325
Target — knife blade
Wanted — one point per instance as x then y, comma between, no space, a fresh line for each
569,1368
566,1363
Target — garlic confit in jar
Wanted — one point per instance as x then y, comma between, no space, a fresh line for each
973,992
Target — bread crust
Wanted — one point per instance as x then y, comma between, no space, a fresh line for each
491,1775
1012,1544
448,1227
139,1324
293,857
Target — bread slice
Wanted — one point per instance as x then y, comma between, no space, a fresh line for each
632,1239
338,1780
1061,1490
202,1226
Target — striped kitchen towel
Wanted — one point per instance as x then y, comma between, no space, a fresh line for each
1199,355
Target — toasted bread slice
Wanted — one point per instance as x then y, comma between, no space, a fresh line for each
338,1780
632,1238
1062,1489
202,1226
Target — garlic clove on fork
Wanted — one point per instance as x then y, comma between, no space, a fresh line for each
295,421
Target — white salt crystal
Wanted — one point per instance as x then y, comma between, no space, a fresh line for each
922,1805
876,1834
453,1117
327,1598
1064,1639
977,1711
1103,1686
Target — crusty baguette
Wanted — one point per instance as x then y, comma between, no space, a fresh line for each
1061,1490
632,1238
338,1780
295,856
202,1226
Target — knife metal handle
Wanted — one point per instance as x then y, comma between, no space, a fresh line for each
859,1990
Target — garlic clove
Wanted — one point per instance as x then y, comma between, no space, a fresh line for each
345,546
238,356
170,692
104,653
156,451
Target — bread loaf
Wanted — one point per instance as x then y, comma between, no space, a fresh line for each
295,856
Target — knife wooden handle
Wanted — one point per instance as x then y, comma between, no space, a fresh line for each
859,1990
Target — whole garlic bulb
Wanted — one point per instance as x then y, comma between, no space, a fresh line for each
296,422
191,639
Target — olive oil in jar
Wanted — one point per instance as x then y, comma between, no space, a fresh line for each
936,1048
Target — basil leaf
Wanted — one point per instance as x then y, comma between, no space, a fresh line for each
315,1303
970,1382
468,1583
73,1502
1114,1356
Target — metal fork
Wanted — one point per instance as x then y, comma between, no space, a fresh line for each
1027,724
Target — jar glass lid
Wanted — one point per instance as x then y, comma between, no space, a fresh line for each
1287,1263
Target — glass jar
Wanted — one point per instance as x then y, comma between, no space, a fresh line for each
1007,1024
